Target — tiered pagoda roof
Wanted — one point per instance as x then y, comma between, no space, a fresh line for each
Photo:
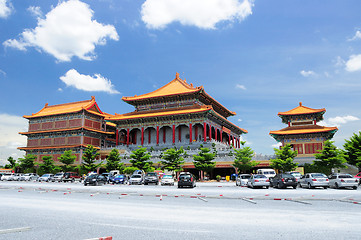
89,105
303,130
302,110
178,87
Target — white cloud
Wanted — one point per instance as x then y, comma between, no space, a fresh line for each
5,8
307,73
66,31
339,62
205,14
239,120
36,11
356,37
10,126
354,63
338,121
277,145
88,83
239,86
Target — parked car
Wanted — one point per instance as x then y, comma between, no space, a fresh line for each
119,178
136,179
268,172
151,177
283,180
46,177
71,176
242,179
7,177
16,176
358,176
95,179
312,180
58,177
29,177
186,179
297,175
167,180
339,180
258,180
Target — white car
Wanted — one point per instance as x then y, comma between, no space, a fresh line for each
312,180
242,180
29,177
46,177
16,176
339,180
167,180
268,172
136,179
7,177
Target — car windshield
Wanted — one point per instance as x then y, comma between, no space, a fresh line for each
93,176
58,174
151,174
318,175
245,176
345,176
184,177
46,175
136,176
119,176
296,174
287,175
167,176
260,176
27,174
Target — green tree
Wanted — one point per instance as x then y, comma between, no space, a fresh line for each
330,157
130,170
12,162
353,150
173,159
113,161
204,160
140,159
67,158
47,166
284,160
27,163
89,157
243,159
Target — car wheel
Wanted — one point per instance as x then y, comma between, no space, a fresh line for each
85,184
294,187
179,186
354,187
252,186
73,180
336,186
145,183
279,185
309,186
325,187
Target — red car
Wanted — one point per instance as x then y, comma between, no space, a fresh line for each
71,176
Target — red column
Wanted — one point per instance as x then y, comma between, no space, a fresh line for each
210,133
142,137
215,134
157,135
233,141
205,132
149,135
173,134
116,137
180,134
190,133
221,136
127,136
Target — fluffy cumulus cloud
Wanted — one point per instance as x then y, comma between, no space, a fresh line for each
10,126
338,121
354,63
35,11
356,36
5,8
88,83
68,30
205,14
307,73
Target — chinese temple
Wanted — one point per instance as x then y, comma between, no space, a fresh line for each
177,114
302,131
70,126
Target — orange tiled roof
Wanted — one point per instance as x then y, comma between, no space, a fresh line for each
175,87
51,147
89,105
303,130
302,110
66,129
159,113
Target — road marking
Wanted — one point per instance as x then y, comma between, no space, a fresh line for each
248,200
12,230
203,199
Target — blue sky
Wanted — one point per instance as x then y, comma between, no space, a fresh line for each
257,58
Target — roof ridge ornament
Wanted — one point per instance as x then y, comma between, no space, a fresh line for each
300,104
177,75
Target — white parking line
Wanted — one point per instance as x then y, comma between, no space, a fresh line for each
12,230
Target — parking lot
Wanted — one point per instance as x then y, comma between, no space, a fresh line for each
214,210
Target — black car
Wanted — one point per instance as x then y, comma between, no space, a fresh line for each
283,180
186,179
95,179
151,177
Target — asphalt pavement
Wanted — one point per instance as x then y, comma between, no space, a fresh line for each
216,210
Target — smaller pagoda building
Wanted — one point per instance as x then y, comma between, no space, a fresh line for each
302,132
70,126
